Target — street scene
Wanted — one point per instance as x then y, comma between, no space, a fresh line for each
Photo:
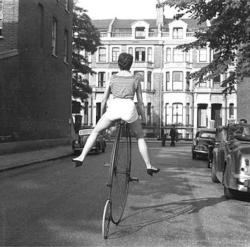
124,123
55,204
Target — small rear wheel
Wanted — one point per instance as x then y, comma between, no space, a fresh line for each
106,218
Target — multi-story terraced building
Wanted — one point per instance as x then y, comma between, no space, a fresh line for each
170,97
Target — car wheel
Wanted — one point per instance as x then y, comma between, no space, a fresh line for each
228,193
213,175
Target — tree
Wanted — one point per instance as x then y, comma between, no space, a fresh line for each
228,35
86,39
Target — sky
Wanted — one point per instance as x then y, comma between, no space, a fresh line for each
122,9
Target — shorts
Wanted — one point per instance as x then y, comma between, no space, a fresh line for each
122,109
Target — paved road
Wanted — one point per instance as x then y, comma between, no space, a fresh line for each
54,204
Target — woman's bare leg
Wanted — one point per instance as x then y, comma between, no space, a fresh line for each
102,124
142,145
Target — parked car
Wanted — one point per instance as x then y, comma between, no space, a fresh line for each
203,139
231,159
79,142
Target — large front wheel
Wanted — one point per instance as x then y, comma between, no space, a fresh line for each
106,218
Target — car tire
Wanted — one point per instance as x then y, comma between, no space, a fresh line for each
213,175
228,193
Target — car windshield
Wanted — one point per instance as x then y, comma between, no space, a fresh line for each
84,138
209,135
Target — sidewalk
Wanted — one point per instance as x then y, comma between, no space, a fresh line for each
21,159
14,160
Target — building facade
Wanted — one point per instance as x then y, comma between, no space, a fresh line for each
170,96
35,69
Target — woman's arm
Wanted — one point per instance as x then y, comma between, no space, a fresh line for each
105,98
141,110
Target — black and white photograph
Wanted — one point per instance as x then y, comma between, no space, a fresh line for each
124,123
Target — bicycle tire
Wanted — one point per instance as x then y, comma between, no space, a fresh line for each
106,218
120,167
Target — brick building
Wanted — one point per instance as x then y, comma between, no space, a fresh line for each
169,96
35,69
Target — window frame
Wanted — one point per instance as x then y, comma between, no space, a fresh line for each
174,88
115,54
141,51
176,35
102,57
177,115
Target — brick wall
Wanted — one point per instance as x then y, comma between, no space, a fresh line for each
44,80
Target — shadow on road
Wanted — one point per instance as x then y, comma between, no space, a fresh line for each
159,213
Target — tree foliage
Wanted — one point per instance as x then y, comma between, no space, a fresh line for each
86,39
228,35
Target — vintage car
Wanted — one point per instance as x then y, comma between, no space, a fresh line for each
81,138
204,138
231,159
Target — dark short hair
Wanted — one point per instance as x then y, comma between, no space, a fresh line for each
125,61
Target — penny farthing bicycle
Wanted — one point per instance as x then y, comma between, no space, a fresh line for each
119,178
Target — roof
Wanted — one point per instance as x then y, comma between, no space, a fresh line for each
103,24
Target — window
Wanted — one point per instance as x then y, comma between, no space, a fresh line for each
66,46
231,110
130,51
115,54
177,113
168,55
86,112
178,55
187,113
188,81
149,80
102,55
1,17
203,55
167,119
177,80
54,36
150,55
101,79
177,33
188,56
202,119
41,23
202,84
216,80
167,85
140,54
140,32
149,114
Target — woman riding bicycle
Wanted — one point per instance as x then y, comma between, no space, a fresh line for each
123,87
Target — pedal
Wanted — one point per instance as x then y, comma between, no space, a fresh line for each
106,164
133,179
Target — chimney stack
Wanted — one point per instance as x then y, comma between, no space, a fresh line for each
160,14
